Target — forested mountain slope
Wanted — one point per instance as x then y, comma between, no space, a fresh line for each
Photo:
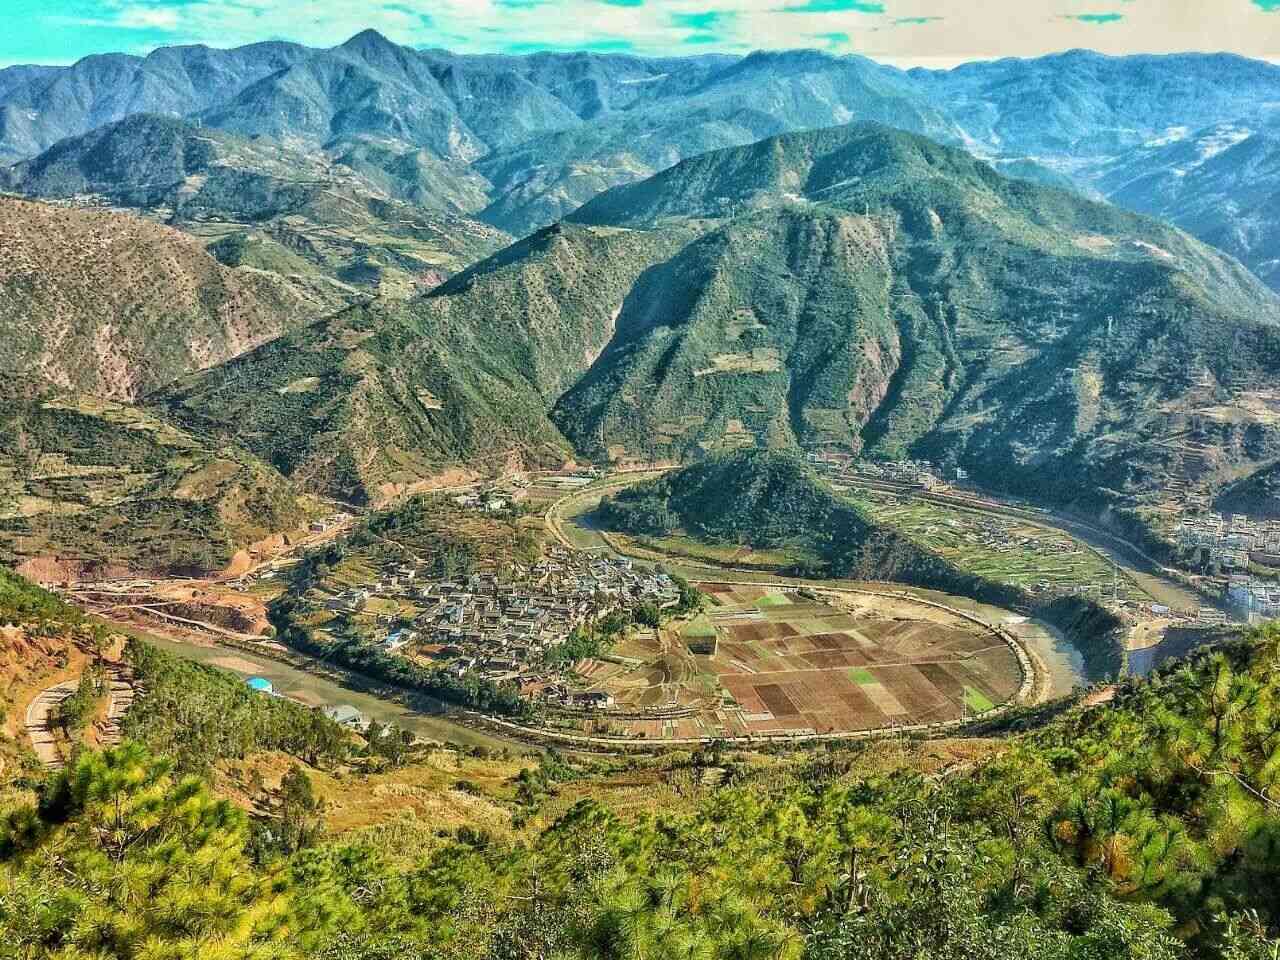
1221,184
529,138
870,289
41,106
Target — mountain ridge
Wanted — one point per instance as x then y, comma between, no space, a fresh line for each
873,290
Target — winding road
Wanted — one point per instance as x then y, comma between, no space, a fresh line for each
39,714
120,694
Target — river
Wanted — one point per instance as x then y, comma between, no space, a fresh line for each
425,718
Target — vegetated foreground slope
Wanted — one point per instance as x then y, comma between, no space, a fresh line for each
90,486
1063,843
300,205
868,289
113,305
40,636
374,400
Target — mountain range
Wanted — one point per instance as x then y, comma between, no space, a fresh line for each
519,142
939,278
858,287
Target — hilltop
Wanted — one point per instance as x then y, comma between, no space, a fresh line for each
773,501
106,303
754,497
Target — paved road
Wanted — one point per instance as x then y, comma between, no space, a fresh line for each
38,713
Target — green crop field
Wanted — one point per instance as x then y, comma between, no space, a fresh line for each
700,626
976,700
773,600
1006,551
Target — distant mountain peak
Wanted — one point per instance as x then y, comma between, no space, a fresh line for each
370,40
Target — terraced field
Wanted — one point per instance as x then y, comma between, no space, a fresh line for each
784,663
1001,549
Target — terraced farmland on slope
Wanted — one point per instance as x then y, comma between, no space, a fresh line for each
787,664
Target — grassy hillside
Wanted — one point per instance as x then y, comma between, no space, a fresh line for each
377,398
94,483
105,303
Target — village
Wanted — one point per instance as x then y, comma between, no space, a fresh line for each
506,625
1234,547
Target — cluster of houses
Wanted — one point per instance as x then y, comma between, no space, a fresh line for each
1253,600
325,524
1223,544
917,473
502,625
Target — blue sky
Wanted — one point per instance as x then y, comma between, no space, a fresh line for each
907,32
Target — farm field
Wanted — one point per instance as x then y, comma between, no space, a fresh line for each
784,663
1002,549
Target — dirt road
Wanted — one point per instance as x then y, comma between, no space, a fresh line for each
39,712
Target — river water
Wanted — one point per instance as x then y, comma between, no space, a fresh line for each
424,718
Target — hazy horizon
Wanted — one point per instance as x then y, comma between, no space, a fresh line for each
938,34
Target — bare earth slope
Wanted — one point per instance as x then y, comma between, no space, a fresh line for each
105,303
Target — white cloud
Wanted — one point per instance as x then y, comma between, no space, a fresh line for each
967,29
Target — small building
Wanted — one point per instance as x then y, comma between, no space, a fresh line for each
260,685
345,715
591,700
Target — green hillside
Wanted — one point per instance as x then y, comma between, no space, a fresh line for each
869,289
857,288
381,396
93,483
773,500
